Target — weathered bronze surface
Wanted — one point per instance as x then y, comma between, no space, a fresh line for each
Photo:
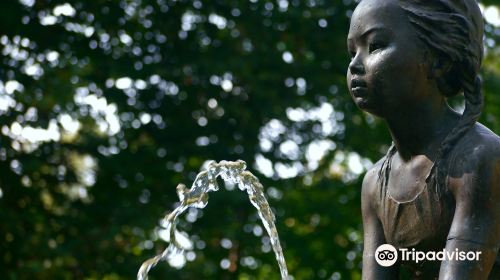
438,187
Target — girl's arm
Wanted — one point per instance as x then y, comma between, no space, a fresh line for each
476,224
373,232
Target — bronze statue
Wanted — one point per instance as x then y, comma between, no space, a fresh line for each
438,187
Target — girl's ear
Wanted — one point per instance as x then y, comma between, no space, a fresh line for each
439,68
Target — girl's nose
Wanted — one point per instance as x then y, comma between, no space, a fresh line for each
356,66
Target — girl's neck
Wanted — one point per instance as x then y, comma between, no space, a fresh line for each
417,132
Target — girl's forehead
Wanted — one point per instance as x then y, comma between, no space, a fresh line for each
371,14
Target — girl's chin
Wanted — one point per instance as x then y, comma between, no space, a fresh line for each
365,106
362,103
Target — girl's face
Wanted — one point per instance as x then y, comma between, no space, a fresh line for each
388,73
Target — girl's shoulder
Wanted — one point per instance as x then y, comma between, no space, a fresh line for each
474,163
478,146
370,186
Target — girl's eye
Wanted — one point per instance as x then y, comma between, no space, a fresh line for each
375,46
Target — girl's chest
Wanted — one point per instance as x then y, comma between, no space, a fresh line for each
415,219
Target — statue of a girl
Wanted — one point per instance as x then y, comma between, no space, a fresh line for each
438,187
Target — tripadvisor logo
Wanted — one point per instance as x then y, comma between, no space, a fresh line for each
386,255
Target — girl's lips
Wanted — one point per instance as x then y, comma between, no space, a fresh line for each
357,83
359,91
358,87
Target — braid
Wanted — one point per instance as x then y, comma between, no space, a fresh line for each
473,108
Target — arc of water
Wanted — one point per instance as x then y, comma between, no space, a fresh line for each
197,196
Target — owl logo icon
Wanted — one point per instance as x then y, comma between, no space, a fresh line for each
386,255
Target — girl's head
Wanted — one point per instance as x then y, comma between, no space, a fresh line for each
449,32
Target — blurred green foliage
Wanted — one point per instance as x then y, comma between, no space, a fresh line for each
106,105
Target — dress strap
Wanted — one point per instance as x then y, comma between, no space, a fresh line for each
384,172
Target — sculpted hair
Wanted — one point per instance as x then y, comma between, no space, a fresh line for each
452,31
